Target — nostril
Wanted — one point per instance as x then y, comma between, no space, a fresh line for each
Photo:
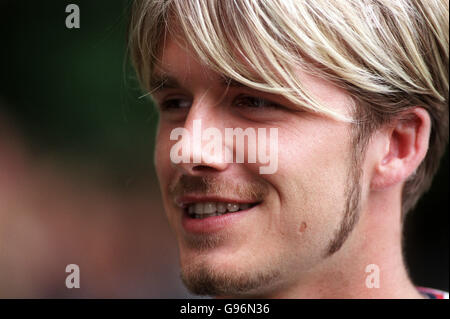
203,168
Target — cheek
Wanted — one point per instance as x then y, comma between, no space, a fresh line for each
162,153
317,160
311,181
164,171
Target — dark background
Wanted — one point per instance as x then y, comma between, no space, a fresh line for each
74,97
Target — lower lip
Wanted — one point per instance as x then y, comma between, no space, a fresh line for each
212,224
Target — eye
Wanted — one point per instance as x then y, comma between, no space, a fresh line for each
254,102
173,104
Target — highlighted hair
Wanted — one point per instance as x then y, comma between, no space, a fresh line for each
389,55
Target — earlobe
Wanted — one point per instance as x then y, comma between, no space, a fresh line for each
405,146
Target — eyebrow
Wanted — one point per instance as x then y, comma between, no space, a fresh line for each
229,82
159,82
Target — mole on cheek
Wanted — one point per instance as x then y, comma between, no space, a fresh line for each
302,227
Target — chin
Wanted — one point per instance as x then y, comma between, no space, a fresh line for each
219,274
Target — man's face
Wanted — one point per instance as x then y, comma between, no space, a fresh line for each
294,213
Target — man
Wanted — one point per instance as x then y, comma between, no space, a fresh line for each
357,92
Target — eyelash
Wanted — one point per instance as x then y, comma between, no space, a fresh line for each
246,101
250,101
168,104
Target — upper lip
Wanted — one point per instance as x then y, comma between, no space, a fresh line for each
185,200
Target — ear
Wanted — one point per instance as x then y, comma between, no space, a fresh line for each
404,146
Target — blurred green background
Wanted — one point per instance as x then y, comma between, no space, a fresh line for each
79,185
74,97
70,89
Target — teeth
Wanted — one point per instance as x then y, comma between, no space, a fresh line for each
232,207
221,207
209,208
201,210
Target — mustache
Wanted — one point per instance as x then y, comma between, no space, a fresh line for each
254,191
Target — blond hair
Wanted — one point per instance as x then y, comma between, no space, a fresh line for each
389,55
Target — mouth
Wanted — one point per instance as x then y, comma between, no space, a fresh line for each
201,215
201,210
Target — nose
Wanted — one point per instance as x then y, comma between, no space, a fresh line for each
205,147
214,165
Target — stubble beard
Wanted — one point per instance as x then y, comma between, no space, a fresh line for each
202,279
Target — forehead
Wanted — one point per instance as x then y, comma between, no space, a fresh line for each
179,66
177,60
